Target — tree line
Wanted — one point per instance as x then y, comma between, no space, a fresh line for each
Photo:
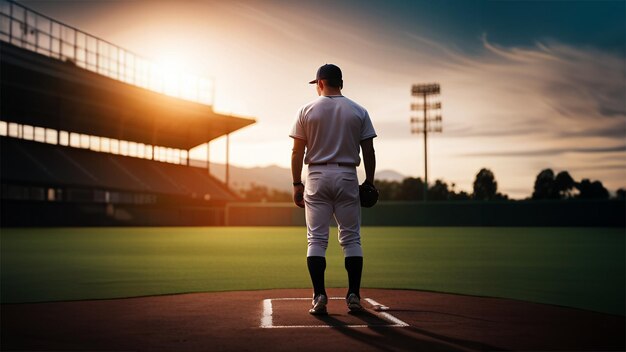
548,186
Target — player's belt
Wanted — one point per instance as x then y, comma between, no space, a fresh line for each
340,164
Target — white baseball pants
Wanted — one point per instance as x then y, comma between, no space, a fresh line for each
332,190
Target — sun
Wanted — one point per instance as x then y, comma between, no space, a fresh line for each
166,74
170,76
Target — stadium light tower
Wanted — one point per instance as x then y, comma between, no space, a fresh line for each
422,121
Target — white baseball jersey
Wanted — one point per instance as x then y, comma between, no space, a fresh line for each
333,127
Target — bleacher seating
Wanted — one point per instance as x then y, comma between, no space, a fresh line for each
53,165
51,89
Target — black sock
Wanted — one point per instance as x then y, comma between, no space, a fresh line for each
354,266
317,266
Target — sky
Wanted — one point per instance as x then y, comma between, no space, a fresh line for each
525,85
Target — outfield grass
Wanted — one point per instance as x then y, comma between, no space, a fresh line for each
577,267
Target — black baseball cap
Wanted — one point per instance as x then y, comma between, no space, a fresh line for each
330,72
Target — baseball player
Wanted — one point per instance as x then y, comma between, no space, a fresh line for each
332,129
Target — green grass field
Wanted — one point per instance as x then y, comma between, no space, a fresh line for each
576,267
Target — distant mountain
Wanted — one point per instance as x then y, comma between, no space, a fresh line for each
277,177
389,175
241,178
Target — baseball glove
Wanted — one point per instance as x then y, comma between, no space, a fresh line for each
368,194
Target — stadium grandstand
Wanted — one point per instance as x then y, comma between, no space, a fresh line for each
92,134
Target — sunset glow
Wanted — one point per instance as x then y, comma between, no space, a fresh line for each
520,92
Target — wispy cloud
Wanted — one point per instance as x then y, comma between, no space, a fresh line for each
615,130
618,167
549,152
268,16
551,87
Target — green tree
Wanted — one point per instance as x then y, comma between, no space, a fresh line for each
544,185
591,190
411,189
563,185
461,195
388,190
438,191
485,185
258,193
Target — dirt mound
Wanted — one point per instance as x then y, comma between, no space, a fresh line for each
277,320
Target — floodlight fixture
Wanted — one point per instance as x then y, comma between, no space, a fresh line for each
422,122
425,89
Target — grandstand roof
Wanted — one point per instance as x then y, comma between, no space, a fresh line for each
42,91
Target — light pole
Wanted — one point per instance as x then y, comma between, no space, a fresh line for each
422,122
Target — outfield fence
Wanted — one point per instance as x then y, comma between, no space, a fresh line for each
521,213
610,213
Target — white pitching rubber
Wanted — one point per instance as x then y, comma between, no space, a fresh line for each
380,308
376,306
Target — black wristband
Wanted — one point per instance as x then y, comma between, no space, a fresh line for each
299,183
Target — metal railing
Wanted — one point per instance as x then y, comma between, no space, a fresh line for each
33,31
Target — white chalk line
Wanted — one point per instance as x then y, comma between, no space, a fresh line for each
316,326
300,299
267,317
372,302
387,316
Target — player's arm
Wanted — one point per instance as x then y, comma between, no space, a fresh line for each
369,159
297,158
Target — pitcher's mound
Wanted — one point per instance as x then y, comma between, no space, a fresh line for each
278,320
